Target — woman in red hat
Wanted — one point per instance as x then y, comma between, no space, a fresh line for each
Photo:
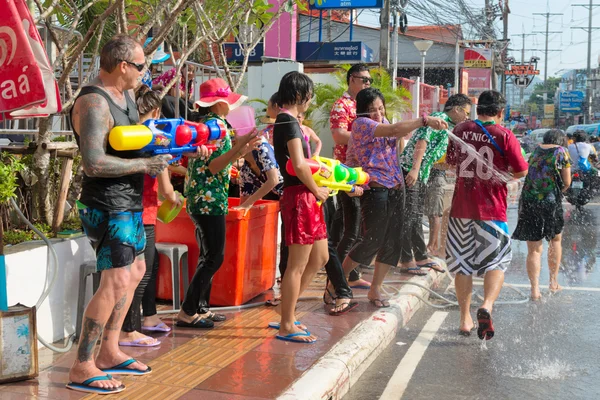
207,187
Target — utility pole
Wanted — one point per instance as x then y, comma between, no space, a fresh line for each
523,36
547,33
505,12
490,15
588,88
384,52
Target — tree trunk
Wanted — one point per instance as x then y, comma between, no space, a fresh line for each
75,191
41,168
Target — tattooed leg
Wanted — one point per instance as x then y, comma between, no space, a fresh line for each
110,354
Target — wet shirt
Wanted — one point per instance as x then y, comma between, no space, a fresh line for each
437,144
479,194
543,181
264,157
342,115
207,194
377,156
287,128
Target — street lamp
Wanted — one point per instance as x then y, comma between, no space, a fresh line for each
423,46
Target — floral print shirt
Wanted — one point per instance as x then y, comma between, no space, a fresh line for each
207,194
343,114
377,156
265,160
543,181
437,144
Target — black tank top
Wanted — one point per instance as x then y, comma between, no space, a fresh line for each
114,194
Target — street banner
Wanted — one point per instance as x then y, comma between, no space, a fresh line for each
549,111
478,58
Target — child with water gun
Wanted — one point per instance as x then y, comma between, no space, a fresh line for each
207,186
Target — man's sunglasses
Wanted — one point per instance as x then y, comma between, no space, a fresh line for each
139,67
365,79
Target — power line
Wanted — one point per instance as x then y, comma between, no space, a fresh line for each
588,29
547,16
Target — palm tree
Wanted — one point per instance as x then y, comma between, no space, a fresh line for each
397,100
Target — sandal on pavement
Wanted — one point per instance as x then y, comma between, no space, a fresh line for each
380,303
485,328
198,323
345,307
293,337
138,342
362,285
432,265
121,369
216,317
161,327
276,325
85,386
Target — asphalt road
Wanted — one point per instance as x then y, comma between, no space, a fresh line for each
544,350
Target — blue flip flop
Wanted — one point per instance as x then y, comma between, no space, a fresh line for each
85,386
122,369
276,325
292,337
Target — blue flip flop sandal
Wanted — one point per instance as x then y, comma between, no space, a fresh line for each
122,369
276,325
85,386
293,337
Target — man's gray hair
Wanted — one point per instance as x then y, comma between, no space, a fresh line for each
118,49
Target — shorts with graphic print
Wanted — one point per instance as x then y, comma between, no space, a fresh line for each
477,246
116,237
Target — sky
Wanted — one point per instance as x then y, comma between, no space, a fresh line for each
572,42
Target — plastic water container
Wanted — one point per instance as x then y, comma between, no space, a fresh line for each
242,120
250,253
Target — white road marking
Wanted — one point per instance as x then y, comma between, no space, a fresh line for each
525,285
404,372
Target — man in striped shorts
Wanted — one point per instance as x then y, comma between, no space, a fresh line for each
486,156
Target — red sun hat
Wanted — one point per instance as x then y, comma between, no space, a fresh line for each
217,90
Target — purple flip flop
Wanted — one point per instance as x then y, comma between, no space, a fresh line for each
138,343
161,327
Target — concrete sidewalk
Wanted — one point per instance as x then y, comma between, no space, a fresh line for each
241,359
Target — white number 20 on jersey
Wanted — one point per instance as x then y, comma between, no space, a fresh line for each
484,160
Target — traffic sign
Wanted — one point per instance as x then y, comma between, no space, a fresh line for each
571,101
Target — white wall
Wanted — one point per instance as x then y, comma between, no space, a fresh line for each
263,80
323,131
27,275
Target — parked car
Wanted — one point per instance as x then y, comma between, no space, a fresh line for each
590,129
529,142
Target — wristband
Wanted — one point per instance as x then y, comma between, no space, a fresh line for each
424,116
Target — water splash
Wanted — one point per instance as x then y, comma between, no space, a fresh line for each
542,370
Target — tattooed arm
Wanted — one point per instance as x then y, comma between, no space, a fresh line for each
93,122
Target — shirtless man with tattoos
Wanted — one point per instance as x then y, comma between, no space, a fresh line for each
111,213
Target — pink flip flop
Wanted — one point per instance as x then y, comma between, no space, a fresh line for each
161,327
138,343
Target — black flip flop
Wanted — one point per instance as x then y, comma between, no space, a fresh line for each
432,265
328,293
485,328
198,323
216,317
351,305
383,303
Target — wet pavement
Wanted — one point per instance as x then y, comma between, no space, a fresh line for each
542,350
238,360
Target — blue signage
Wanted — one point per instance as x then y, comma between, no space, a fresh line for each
327,4
571,101
233,52
333,51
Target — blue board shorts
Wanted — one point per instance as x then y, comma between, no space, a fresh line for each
116,237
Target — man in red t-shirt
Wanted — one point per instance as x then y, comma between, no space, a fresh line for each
341,117
486,156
